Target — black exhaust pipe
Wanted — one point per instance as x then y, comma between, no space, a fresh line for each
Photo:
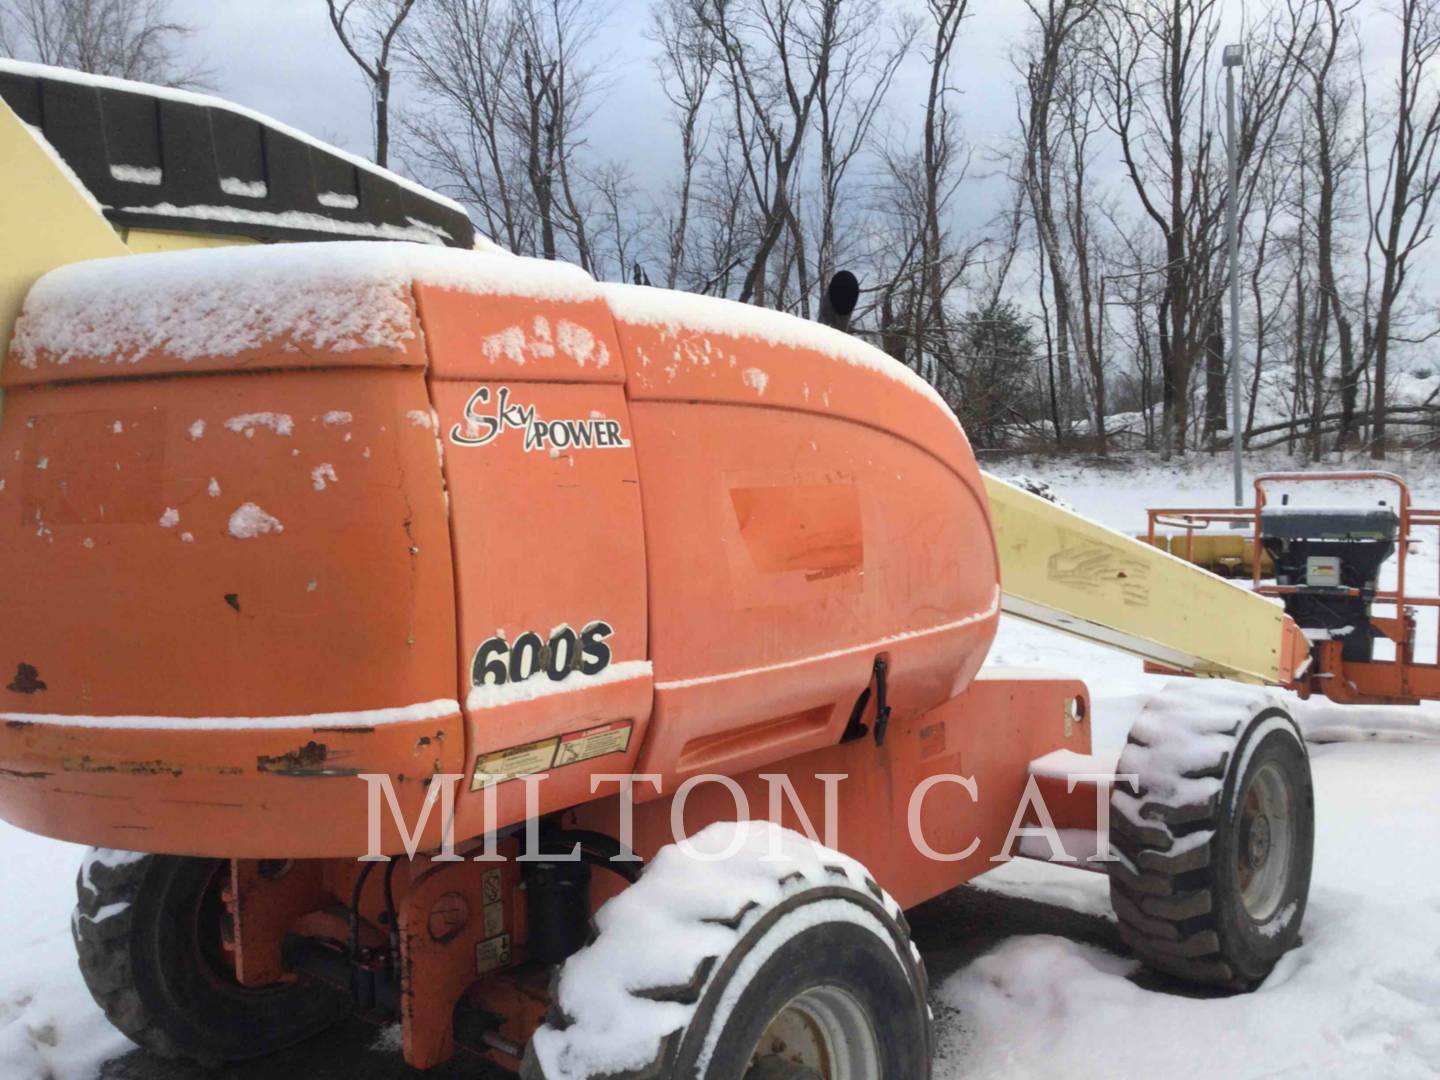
838,302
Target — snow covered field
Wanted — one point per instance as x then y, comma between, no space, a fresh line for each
1360,998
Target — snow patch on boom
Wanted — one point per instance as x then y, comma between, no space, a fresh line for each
491,696
439,709
60,163
688,313
280,423
215,303
249,521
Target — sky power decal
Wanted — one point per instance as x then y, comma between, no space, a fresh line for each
488,416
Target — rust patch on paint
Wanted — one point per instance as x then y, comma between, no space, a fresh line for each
27,680
86,764
311,760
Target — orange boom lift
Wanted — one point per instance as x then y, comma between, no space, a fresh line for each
317,553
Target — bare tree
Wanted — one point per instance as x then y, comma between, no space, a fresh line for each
1409,178
617,235
774,103
550,103
938,158
770,96
849,101
503,99
1309,313
1156,60
367,29
1086,309
1047,54
919,260
1275,188
686,67
127,39
461,54
1156,81
725,226
1327,97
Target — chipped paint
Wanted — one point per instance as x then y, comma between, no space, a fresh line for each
86,764
311,760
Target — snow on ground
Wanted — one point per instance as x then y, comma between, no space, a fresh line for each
49,1026
1360,998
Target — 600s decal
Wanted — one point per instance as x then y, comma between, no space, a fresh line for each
498,661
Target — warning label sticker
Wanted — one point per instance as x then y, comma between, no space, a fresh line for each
492,889
492,954
596,742
513,762
516,761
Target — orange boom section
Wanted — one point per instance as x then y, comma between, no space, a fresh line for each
811,508
284,517
227,583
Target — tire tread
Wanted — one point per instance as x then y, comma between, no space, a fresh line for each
1165,901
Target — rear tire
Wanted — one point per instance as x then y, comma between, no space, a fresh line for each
817,980
1216,850
148,934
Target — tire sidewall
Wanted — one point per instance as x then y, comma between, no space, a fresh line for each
208,1015
879,973
1253,947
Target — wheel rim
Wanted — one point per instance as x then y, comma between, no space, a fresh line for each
210,915
822,1034
1266,840
211,918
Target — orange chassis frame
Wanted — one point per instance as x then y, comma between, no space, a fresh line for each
450,913
1401,681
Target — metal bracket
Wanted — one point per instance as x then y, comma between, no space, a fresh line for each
882,704
857,728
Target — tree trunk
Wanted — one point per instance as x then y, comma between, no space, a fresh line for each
382,119
1215,374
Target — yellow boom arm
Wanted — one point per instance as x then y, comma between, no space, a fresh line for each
1064,571
46,219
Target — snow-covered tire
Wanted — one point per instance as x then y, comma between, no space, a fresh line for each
742,968
1215,848
146,933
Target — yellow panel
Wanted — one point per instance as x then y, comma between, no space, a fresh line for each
45,219
1061,570
146,241
1226,554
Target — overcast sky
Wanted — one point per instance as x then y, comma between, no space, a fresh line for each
281,57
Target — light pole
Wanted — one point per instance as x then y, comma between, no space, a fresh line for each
1232,58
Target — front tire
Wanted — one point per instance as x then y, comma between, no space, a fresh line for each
148,933
806,972
1216,848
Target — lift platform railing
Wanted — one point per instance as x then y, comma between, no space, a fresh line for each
1399,681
